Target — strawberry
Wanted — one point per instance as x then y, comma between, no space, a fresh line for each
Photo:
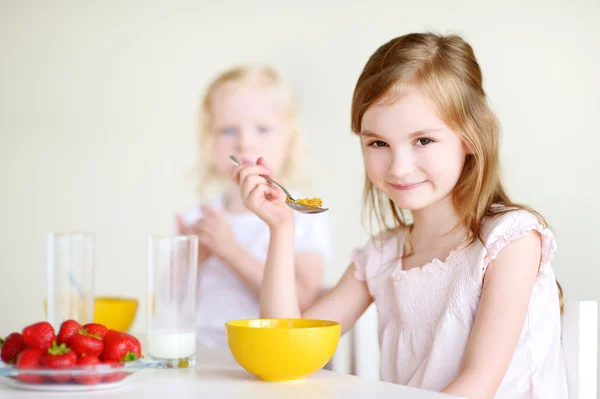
112,335
11,347
116,376
120,347
90,379
30,359
39,335
96,329
86,344
67,329
59,357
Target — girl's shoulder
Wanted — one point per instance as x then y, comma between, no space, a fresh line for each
509,222
505,224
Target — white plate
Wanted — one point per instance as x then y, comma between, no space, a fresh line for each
8,376
58,387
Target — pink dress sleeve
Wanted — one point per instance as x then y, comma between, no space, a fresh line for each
513,225
359,259
377,253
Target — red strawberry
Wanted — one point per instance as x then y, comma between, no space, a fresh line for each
121,347
96,329
30,359
59,357
112,335
116,376
67,329
86,344
11,347
39,335
90,379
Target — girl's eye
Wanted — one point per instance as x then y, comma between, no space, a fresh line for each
263,129
423,141
377,144
228,130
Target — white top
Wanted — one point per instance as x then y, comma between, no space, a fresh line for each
426,313
222,295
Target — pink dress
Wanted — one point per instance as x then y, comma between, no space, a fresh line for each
426,314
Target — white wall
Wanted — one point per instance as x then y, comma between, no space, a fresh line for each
98,108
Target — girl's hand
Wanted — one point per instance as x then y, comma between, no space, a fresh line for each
263,198
214,234
204,251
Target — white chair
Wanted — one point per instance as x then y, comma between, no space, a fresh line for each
364,344
580,347
579,343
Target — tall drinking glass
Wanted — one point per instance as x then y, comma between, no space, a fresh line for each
70,278
172,270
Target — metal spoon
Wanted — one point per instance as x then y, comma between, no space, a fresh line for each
291,202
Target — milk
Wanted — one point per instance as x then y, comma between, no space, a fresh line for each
171,343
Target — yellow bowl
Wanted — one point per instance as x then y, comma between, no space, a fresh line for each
282,349
114,312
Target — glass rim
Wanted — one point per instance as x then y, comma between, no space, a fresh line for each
183,237
71,233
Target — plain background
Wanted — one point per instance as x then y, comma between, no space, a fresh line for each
99,106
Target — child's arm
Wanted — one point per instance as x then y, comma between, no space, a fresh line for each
344,303
507,289
278,297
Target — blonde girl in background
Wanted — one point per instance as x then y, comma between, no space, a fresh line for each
247,111
466,296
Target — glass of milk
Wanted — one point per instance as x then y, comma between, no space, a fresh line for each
172,270
69,277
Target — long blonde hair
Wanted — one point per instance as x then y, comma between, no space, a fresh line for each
263,76
445,69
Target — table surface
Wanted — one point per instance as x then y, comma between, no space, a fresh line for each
217,375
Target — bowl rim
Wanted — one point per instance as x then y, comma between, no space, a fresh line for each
327,323
108,298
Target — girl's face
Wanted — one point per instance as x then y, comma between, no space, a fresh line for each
248,121
410,154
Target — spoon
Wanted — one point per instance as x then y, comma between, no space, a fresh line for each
291,202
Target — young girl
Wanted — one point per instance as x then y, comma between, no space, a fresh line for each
249,112
466,297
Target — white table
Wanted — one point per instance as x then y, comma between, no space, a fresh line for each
217,375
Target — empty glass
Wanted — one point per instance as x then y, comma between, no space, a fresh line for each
70,277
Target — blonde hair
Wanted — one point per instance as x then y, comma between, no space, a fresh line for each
445,69
263,76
